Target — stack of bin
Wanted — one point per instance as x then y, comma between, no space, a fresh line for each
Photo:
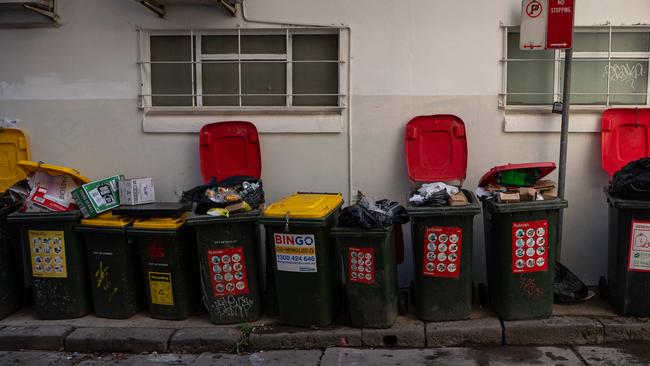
442,237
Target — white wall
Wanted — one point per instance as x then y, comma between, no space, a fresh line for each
74,88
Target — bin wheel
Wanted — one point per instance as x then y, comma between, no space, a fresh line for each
603,287
483,294
403,302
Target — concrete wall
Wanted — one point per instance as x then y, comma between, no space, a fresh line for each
74,89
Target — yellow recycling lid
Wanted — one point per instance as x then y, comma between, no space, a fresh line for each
161,223
13,148
32,167
305,205
108,220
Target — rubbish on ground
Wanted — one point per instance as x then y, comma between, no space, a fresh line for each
228,192
632,181
458,199
567,287
433,194
137,191
373,214
99,196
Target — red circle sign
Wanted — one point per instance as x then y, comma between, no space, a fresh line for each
534,9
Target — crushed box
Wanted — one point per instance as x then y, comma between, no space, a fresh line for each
136,191
99,196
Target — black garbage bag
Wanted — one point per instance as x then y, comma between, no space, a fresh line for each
254,198
567,287
371,215
632,181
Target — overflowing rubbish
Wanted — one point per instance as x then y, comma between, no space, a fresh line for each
368,214
437,194
539,190
99,196
234,194
632,181
136,191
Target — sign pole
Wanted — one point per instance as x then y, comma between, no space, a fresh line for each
564,135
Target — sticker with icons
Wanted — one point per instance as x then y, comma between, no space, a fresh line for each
442,245
529,246
47,249
361,265
227,271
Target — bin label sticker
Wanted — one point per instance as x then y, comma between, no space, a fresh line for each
442,248
160,286
47,250
530,246
295,252
361,265
640,246
228,271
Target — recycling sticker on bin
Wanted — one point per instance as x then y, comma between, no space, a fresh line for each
160,288
295,252
529,246
227,271
361,265
47,249
640,246
442,246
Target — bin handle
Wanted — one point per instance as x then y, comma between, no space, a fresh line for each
286,222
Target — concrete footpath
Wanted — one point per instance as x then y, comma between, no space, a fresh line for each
588,324
337,356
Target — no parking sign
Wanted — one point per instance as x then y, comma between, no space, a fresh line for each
546,24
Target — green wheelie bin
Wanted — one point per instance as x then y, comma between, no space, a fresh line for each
628,274
11,269
113,266
229,262
58,263
521,248
442,236
370,275
168,253
307,272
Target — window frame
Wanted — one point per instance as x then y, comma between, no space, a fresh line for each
558,60
197,57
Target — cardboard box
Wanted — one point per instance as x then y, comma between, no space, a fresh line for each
508,197
459,199
99,196
527,194
136,191
549,194
54,193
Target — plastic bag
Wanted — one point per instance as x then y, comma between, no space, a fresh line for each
370,214
567,287
239,185
632,181
433,194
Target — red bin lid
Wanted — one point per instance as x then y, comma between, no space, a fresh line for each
436,148
545,168
625,137
228,149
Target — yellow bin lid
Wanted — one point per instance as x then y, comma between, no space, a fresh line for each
13,148
305,205
108,220
161,223
32,167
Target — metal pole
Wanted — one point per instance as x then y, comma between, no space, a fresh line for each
564,134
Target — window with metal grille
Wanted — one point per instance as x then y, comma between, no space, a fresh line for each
242,69
610,67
